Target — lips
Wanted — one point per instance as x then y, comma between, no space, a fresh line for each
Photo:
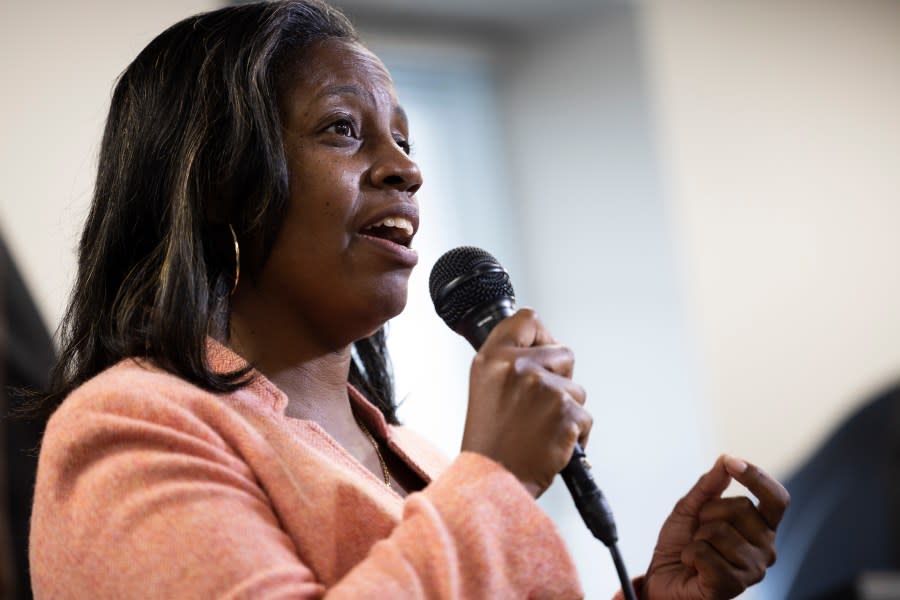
390,233
394,229
397,225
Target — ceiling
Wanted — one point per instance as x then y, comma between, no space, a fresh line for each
501,16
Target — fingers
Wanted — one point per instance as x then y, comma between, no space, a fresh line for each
549,380
734,542
773,497
743,516
569,398
556,358
710,485
718,575
569,395
724,544
523,329
734,547
583,421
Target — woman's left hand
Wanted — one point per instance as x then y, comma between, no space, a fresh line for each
711,548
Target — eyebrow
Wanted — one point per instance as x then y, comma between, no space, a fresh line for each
342,90
401,114
353,90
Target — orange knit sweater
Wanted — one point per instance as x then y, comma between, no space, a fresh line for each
149,487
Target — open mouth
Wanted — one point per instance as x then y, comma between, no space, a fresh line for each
398,230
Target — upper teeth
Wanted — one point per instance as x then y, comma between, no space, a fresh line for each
398,222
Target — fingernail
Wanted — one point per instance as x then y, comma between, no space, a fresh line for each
735,466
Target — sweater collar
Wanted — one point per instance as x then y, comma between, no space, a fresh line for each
223,359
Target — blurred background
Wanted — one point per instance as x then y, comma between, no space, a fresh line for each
701,198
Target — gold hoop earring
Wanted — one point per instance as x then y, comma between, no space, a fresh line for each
237,259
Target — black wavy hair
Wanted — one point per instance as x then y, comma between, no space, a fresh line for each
192,144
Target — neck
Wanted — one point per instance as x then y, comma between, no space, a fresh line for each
312,374
308,358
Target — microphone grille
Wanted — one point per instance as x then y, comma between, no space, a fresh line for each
465,278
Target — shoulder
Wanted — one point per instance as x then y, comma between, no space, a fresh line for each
126,422
135,397
129,453
131,386
132,377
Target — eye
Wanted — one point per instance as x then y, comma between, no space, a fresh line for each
343,128
405,145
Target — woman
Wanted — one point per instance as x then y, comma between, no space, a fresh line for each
228,427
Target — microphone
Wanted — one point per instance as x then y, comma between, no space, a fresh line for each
472,293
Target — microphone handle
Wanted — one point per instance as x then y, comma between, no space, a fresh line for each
589,500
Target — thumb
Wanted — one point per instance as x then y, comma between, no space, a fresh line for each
710,485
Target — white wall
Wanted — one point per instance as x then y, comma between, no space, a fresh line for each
780,136
58,64
596,241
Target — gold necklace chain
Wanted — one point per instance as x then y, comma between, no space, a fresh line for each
384,468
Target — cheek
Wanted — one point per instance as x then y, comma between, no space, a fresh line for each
316,204
326,182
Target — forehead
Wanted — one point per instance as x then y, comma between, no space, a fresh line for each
338,67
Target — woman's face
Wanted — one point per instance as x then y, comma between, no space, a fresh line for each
342,258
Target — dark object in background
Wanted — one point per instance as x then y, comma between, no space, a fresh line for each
875,585
844,519
26,357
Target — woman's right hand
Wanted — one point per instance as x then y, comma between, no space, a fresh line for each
525,412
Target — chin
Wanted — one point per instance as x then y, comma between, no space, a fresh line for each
382,304
388,308
390,295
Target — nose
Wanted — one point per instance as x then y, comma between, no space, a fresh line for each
395,169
